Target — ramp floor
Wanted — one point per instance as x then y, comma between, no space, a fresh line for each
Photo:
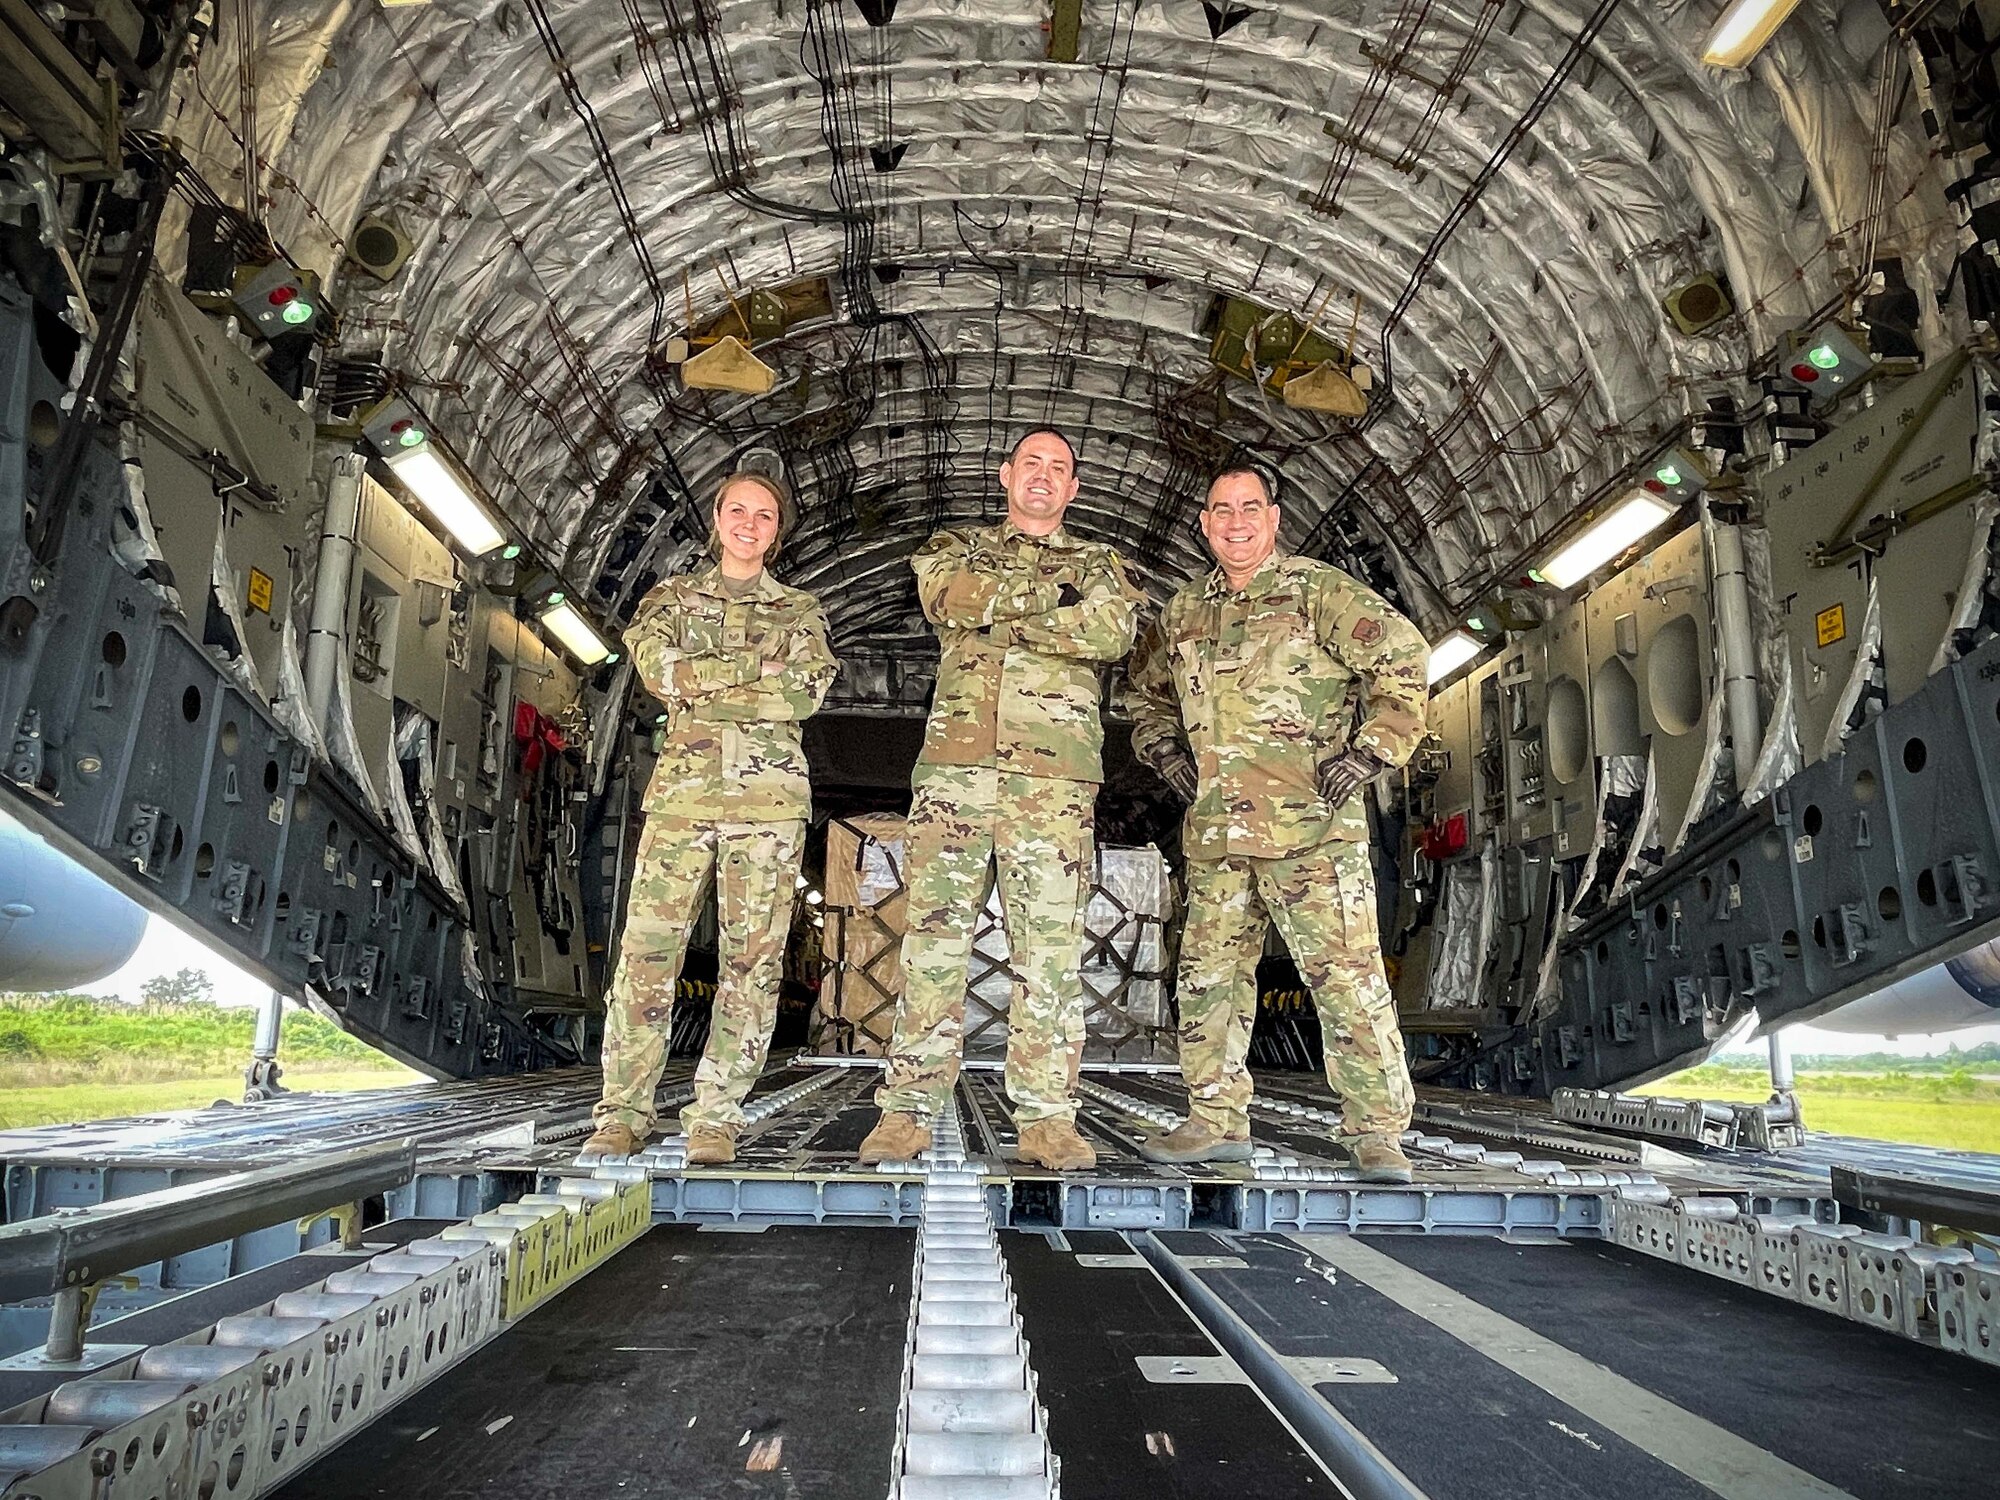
692,1364
1516,1371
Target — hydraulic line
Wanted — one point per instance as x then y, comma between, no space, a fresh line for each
1379,398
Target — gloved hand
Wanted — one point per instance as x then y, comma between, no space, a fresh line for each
1341,776
1069,594
1177,769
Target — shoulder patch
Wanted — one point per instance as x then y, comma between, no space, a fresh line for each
1368,630
941,541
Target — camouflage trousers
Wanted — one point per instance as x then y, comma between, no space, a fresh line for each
1324,904
969,827
755,866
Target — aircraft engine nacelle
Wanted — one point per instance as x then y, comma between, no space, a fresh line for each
1960,992
60,926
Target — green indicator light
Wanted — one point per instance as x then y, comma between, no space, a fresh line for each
661,719
1824,357
556,597
410,437
1667,475
1535,576
611,659
298,312
511,551
1475,623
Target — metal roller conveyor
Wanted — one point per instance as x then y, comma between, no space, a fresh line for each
321,1306
1725,1209
372,1283
972,1424
443,1249
971,1410
25,1451
263,1333
98,1404
401,1262
196,1362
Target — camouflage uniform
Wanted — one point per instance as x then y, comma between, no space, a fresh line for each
1008,777
1265,683
729,797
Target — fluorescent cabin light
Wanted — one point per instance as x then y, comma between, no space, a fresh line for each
1451,653
569,627
1743,30
1606,537
450,503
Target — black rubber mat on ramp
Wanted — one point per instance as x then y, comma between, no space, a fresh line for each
1118,1435
1458,1425
660,1374
1883,1417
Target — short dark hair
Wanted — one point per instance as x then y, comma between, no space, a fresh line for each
1263,482
1057,434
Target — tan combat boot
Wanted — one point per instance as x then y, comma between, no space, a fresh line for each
1195,1140
1056,1145
896,1137
1380,1158
711,1146
613,1139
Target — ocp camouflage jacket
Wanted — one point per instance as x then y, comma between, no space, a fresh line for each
731,751
1266,683
1017,683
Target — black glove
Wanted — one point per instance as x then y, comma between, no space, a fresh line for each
1069,594
1342,776
1177,769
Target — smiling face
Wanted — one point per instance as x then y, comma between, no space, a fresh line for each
1241,525
1040,480
746,524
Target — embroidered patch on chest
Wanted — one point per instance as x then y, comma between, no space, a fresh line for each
1367,631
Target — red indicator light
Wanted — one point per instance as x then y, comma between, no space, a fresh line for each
1804,374
281,295
1656,487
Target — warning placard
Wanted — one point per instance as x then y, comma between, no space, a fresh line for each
1830,625
260,590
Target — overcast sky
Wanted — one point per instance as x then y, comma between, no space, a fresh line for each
165,949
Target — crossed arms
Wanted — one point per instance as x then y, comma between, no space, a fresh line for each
766,679
1089,612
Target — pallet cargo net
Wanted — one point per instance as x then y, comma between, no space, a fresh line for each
1124,958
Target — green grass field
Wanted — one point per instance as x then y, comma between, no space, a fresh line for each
65,1103
50,1039
73,1057
1955,1109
